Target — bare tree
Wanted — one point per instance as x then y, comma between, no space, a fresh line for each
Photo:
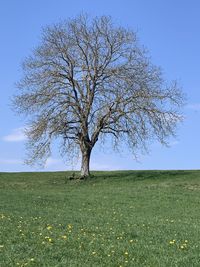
88,80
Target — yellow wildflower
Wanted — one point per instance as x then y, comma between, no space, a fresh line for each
69,226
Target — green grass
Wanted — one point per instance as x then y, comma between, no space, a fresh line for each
129,218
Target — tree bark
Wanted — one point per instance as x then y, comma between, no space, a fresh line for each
85,164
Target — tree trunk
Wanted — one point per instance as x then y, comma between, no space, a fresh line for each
85,164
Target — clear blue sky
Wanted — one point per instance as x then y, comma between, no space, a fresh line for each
169,29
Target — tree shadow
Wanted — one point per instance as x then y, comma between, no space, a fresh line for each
142,175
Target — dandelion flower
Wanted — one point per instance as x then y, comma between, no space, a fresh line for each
69,226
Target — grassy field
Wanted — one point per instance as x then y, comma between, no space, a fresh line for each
129,218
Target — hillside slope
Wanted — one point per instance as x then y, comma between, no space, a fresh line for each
126,218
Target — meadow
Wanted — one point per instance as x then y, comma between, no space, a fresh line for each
127,218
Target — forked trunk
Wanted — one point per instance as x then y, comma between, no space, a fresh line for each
85,164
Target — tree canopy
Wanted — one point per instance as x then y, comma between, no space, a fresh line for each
89,79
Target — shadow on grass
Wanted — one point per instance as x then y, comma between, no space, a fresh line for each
143,175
